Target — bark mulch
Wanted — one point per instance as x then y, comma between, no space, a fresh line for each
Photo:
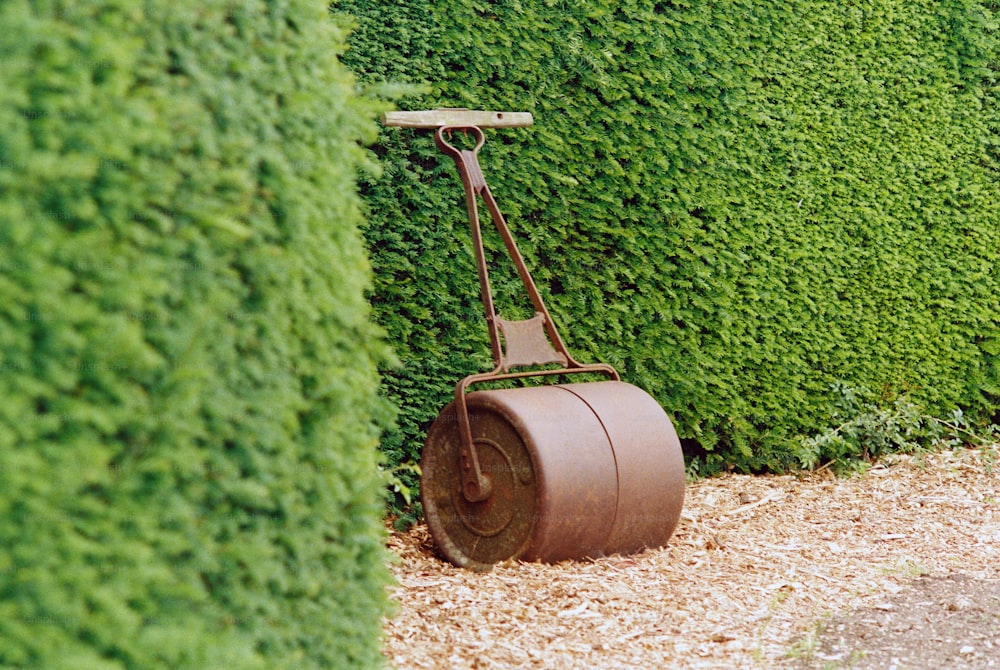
897,567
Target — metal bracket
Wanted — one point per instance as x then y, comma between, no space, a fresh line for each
525,344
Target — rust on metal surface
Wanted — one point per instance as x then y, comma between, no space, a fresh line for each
549,472
525,343
577,470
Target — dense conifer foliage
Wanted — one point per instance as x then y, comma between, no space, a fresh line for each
188,472
741,205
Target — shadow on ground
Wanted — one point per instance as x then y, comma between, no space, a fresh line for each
936,622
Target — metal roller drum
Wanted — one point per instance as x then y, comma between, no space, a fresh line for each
575,471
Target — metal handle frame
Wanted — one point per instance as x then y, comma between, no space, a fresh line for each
475,485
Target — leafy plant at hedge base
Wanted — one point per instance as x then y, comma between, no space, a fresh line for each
868,431
402,482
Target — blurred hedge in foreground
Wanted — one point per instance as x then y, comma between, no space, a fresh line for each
188,471
738,204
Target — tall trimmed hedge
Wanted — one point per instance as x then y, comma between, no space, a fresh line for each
738,204
188,472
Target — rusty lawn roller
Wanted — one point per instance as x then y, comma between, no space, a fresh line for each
547,472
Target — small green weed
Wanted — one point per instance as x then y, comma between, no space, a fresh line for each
906,568
869,430
805,648
400,483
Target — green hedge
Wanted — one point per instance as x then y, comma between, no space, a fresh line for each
738,204
188,471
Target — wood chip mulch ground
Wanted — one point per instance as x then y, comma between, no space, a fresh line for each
763,571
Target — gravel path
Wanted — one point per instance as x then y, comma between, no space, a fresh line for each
896,568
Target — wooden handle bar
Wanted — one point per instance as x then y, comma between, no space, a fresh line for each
435,118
